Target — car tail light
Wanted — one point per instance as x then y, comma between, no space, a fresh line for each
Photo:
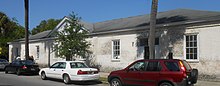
81,72
24,67
182,66
183,69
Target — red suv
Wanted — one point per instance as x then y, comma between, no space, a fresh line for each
155,72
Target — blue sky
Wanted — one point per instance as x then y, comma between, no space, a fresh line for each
95,10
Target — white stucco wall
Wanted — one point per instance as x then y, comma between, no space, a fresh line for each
43,52
209,45
102,49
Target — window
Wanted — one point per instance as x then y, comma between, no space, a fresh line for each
191,47
16,52
116,49
139,66
187,66
55,50
60,65
56,65
172,66
27,62
144,41
153,66
38,51
78,65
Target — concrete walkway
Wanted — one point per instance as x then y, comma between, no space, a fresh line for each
103,74
207,83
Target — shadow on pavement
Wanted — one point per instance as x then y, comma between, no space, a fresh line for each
87,82
27,74
95,82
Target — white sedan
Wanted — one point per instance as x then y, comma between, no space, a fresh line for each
70,71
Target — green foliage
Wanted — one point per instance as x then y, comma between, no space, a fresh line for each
45,25
9,31
71,41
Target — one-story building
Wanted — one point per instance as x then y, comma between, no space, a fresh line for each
192,35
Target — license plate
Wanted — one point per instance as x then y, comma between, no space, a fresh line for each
91,72
32,69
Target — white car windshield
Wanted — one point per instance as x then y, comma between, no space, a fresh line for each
78,65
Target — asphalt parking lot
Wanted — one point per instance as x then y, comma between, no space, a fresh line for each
35,80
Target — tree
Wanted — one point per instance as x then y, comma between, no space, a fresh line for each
151,40
45,25
9,31
72,40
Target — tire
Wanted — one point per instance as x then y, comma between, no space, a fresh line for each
43,75
194,76
66,79
165,84
18,72
6,71
115,82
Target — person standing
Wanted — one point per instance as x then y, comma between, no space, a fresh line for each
31,58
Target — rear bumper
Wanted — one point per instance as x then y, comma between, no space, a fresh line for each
35,71
84,77
185,82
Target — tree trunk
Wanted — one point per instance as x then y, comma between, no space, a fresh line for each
68,58
151,40
26,2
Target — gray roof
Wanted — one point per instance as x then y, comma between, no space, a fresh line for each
171,16
43,34
40,35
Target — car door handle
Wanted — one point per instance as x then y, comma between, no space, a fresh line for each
62,70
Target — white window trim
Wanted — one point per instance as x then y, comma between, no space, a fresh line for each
37,53
112,58
55,53
184,49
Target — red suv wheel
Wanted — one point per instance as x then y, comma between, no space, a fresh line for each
115,82
165,84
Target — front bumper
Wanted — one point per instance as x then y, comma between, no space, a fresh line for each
2,67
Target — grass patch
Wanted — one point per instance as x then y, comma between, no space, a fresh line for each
104,80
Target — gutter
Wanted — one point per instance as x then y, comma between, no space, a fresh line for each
32,40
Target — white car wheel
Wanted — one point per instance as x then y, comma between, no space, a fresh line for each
43,76
66,79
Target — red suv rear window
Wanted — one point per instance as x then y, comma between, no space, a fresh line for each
187,66
172,66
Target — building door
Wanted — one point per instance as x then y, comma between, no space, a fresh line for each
143,42
146,52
